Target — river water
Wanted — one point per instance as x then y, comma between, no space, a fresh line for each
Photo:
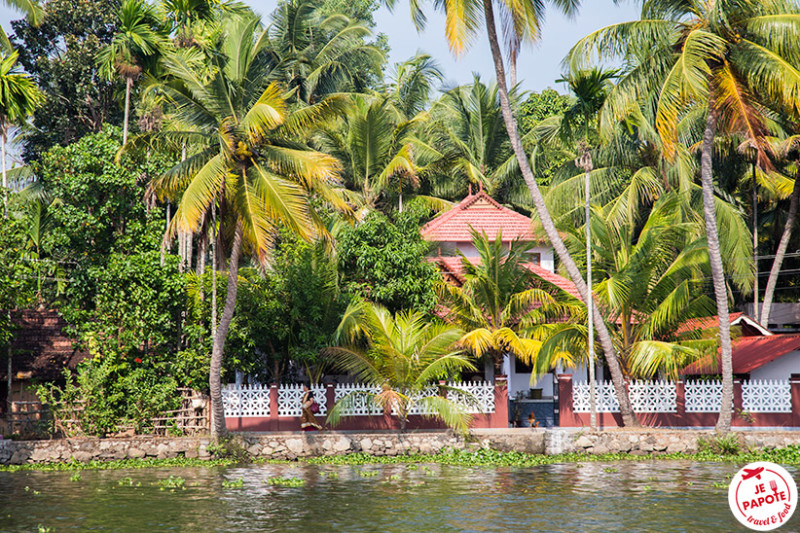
597,497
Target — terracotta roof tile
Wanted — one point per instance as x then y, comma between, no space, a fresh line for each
480,212
749,353
703,323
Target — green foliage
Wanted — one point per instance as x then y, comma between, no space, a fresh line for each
385,262
286,481
237,484
539,106
172,483
60,55
722,444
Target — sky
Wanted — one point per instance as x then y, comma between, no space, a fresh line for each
538,68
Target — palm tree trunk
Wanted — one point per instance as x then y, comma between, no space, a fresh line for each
628,416
512,68
3,140
218,428
779,255
717,271
128,85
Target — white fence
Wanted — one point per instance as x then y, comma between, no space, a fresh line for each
254,400
758,396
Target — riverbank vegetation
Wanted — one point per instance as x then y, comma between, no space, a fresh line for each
482,457
206,193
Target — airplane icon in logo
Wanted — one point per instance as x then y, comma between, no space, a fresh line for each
752,472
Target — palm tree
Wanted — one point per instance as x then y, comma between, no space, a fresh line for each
466,127
463,19
405,355
380,150
729,57
790,150
316,55
19,98
33,12
135,45
249,168
499,293
411,83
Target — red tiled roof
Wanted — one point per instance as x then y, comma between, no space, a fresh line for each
703,323
452,266
480,212
749,353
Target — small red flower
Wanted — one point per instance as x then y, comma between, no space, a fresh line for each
138,360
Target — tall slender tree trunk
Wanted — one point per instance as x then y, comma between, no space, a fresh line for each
756,311
512,68
218,428
717,271
3,140
585,161
617,377
128,86
769,292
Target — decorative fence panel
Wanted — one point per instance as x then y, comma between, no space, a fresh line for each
477,396
703,396
653,396
290,396
246,400
605,397
767,396
361,404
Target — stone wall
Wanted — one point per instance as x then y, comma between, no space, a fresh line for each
292,445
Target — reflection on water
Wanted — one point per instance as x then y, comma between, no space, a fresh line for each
644,496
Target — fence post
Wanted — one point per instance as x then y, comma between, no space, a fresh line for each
794,384
500,402
738,401
680,402
273,407
565,412
330,396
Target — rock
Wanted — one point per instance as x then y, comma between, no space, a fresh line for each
295,446
135,453
584,442
20,457
82,456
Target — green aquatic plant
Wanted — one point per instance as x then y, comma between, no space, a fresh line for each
75,477
286,481
238,484
172,483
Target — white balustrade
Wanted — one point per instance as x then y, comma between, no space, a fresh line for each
290,396
246,400
254,400
605,397
653,396
703,396
767,396
477,396
361,403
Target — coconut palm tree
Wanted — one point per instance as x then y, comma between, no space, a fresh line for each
405,355
730,57
317,55
789,150
411,83
246,164
466,126
381,152
19,98
498,294
462,22
135,46
33,12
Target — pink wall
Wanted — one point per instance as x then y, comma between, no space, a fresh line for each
569,418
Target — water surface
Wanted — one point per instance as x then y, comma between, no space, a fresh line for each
598,497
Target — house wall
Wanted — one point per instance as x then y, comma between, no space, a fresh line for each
780,368
448,249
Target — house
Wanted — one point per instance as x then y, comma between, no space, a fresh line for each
452,233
